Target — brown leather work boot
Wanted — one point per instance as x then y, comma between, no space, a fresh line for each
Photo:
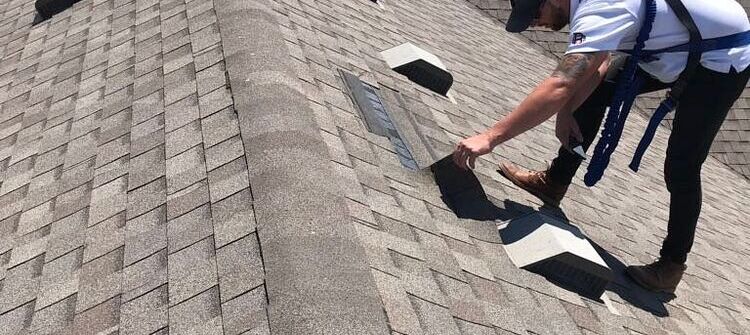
659,276
535,182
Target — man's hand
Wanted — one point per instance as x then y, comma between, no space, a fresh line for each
566,128
471,148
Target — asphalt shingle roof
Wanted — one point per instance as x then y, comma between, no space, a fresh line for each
197,168
125,194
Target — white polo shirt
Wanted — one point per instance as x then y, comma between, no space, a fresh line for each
609,25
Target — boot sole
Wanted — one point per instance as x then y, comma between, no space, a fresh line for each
547,200
649,287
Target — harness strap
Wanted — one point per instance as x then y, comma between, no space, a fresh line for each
711,44
674,94
628,86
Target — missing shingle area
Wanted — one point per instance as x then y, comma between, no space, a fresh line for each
376,117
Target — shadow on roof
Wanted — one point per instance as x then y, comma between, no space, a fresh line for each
462,192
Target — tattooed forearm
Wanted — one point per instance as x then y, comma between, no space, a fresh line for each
573,66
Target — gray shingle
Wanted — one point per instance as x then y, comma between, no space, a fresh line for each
246,314
233,218
113,150
401,313
145,314
81,148
15,321
208,57
108,200
181,113
211,78
177,58
35,218
146,167
240,267
20,284
200,314
148,106
185,169
183,138
215,101
146,198
57,317
192,270
219,127
228,179
187,199
436,319
144,275
179,84
147,135
104,237
205,37
100,280
59,279
29,246
99,319
224,153
145,235
67,234
111,171
148,84
189,228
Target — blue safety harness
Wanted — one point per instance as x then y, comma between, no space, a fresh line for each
630,82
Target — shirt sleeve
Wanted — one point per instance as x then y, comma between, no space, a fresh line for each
600,28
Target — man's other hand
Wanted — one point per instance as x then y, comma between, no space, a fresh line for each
470,148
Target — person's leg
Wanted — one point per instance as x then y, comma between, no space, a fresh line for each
700,113
589,117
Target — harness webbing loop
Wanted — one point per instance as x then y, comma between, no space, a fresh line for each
626,90
628,86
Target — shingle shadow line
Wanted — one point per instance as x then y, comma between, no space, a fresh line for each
124,265
194,243
96,129
85,160
164,18
237,240
385,272
147,73
119,295
183,151
123,302
144,121
244,292
164,74
189,210
105,254
54,303
195,295
491,326
15,189
225,87
107,218
47,261
19,306
159,331
428,301
223,141
44,254
181,99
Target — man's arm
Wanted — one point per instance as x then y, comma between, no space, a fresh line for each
571,78
550,96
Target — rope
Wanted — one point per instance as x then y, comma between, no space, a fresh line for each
628,86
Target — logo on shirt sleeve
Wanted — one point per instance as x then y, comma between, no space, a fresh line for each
578,38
